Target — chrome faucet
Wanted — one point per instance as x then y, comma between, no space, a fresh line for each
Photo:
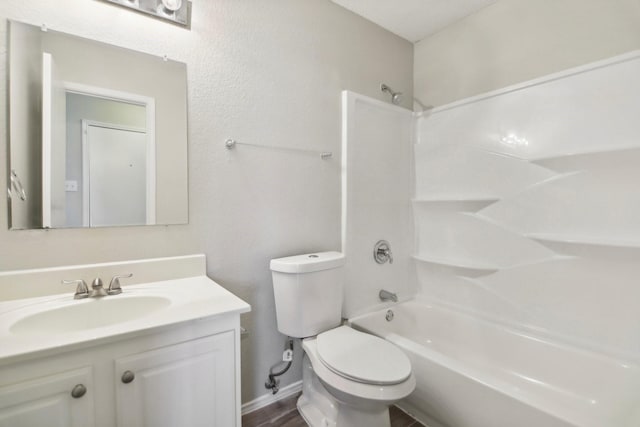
81,290
97,287
382,252
114,285
97,290
387,296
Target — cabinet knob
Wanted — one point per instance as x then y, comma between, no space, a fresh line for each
78,391
128,376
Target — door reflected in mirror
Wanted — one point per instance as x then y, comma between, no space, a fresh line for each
98,134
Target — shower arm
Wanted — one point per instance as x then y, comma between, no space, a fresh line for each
396,97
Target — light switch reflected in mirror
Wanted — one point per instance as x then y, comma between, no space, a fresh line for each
98,133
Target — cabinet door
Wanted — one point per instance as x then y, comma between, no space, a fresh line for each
48,401
188,384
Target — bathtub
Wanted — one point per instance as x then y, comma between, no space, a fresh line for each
474,373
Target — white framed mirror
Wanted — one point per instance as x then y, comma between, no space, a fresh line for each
98,133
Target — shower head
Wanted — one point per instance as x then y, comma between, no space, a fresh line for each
396,97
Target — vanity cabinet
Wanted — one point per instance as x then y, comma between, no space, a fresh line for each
180,375
163,353
188,384
48,401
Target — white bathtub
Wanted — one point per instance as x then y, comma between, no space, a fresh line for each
473,373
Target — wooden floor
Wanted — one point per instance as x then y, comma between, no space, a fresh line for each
284,414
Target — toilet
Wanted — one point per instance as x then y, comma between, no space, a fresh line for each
350,378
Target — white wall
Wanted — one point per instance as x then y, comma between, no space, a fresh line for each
263,72
376,201
513,41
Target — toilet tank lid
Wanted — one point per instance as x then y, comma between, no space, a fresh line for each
308,263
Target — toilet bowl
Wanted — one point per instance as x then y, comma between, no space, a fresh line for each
350,378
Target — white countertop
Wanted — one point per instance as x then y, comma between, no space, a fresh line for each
189,299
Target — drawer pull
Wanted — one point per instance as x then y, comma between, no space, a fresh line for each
78,391
128,376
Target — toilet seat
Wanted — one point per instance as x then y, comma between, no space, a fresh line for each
362,357
346,389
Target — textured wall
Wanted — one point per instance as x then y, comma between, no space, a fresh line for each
513,41
263,72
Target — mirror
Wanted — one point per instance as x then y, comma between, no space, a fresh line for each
98,133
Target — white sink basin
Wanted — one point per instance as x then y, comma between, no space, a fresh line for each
88,314
51,322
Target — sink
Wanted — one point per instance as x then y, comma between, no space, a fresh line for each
52,322
89,314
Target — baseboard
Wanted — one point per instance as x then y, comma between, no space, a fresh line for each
269,398
418,414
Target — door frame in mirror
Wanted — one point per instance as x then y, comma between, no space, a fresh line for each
150,125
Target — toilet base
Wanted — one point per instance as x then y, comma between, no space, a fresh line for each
319,408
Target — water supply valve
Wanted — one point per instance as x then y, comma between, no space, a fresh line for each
287,357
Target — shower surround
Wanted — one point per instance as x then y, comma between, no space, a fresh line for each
526,241
526,210
526,216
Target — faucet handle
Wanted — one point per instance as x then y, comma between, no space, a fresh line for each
114,285
82,291
382,252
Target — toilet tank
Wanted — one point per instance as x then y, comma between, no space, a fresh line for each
308,292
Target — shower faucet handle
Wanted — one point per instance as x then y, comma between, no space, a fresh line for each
382,252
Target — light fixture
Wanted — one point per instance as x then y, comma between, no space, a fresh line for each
174,11
172,5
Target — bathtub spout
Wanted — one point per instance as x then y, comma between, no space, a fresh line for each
387,296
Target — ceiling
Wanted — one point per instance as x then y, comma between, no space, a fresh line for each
413,19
